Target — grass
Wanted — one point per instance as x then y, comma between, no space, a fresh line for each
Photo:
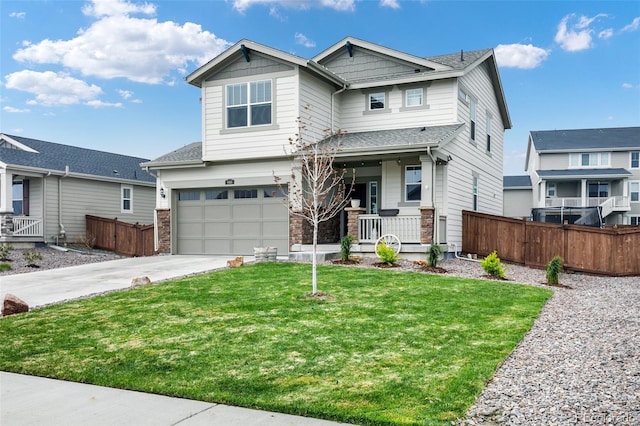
390,348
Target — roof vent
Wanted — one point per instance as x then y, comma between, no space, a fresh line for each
461,55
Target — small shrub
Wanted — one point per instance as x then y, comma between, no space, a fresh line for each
5,267
386,254
345,247
492,266
434,255
554,267
32,257
5,249
88,240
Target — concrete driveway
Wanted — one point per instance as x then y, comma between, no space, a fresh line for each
57,285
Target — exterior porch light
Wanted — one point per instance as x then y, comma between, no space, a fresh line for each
163,194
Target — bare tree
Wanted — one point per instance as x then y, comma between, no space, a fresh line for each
317,190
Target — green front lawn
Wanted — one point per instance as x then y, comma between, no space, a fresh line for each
393,348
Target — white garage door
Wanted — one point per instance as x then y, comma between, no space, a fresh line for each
231,221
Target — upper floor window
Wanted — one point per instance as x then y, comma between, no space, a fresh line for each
413,97
635,159
473,106
126,204
489,119
412,183
551,190
377,101
634,191
590,159
249,104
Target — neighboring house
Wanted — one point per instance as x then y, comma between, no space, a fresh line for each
46,189
517,196
425,136
586,168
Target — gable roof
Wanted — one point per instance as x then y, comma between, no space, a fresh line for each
617,138
516,182
42,157
187,155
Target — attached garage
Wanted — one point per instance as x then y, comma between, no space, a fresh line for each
231,221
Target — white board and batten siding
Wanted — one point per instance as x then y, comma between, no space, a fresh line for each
471,157
81,197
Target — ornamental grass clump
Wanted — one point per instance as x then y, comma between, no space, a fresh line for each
32,258
554,267
386,254
5,250
492,266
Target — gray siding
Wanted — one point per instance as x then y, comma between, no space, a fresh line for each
517,203
257,66
366,65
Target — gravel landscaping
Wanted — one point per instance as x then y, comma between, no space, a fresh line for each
52,258
579,364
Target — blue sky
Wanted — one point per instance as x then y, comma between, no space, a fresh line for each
109,74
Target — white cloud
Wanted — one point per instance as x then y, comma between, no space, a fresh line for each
275,13
303,40
15,110
125,94
100,104
101,8
119,46
52,88
634,25
393,4
630,86
524,56
341,5
605,34
575,36
18,15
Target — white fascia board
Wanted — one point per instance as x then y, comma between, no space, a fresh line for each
581,150
172,164
413,78
17,144
36,171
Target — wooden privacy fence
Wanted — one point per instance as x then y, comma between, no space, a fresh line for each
121,237
609,251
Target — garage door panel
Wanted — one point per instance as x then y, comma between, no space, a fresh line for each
190,230
190,212
189,246
246,245
275,229
247,211
217,246
244,229
273,211
217,229
218,212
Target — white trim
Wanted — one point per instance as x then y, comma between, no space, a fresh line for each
631,182
631,159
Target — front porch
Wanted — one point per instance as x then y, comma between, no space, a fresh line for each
18,230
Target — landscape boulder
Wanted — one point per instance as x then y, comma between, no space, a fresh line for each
13,305
140,281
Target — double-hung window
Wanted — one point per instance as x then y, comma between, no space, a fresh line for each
126,203
475,192
590,159
635,159
18,200
412,183
377,101
473,106
413,97
249,104
634,191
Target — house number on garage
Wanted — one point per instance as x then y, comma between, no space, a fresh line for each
229,182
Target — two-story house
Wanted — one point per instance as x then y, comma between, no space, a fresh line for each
424,135
585,168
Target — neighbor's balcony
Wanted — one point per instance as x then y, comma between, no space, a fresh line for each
617,203
372,226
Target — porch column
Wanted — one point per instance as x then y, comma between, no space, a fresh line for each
542,198
163,218
583,193
426,225
6,192
353,213
428,182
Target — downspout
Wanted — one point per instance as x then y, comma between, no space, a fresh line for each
344,87
433,196
62,234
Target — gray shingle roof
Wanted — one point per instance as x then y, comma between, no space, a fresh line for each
191,152
399,138
516,182
584,172
453,59
584,139
56,157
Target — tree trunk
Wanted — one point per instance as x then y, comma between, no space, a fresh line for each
314,275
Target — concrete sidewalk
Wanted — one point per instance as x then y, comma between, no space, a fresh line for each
37,401
57,285
29,400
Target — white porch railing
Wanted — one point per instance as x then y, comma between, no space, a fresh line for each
372,226
617,202
27,226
